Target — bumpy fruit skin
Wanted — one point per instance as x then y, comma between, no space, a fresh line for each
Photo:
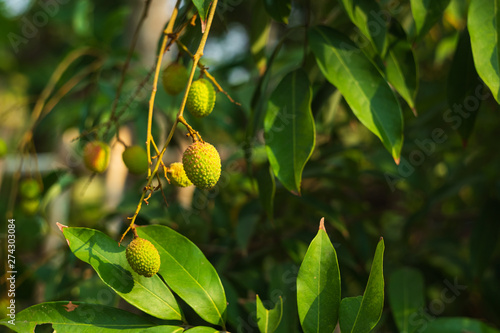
175,78
143,257
177,175
136,159
3,148
201,98
29,189
96,156
202,164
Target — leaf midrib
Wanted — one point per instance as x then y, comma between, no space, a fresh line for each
384,134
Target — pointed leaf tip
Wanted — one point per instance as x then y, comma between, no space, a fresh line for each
415,112
322,224
397,160
61,226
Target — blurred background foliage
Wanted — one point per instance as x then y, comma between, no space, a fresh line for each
440,215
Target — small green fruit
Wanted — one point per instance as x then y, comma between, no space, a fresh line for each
30,206
96,156
3,148
136,159
29,189
177,175
143,257
201,98
175,78
202,164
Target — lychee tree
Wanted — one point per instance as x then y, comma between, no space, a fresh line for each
370,60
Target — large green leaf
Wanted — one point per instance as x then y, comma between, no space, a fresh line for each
349,308
400,64
269,320
188,273
463,87
363,87
426,13
318,286
289,129
81,317
483,28
366,15
108,259
454,325
279,9
372,303
406,297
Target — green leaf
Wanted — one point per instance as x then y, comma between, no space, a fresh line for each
483,28
108,259
318,285
267,189
202,329
426,13
279,10
82,317
188,273
269,320
406,297
372,303
366,15
400,65
454,325
463,86
363,87
289,129
202,6
349,308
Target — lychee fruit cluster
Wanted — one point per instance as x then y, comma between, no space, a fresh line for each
30,192
143,257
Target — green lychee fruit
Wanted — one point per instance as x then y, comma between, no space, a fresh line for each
201,98
30,206
96,156
143,257
202,164
175,78
177,175
3,148
29,189
136,159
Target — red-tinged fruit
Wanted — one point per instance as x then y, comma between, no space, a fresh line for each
96,156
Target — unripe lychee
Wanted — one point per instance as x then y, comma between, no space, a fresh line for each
202,165
201,98
136,159
29,189
96,156
177,175
143,257
3,148
30,206
175,78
